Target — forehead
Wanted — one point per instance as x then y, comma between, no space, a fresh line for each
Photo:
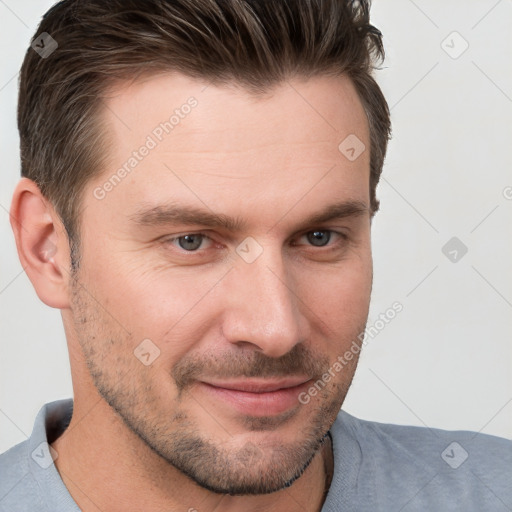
326,105
179,138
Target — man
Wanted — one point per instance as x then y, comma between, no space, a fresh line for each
199,184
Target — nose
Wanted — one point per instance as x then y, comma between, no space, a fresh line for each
261,309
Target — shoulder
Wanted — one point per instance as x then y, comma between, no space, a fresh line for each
28,477
431,443
422,467
17,483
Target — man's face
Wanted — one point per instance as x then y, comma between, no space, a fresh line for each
192,330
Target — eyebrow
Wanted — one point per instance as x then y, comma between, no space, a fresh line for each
177,214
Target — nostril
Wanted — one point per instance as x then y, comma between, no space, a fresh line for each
248,344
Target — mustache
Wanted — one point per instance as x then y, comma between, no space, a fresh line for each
301,360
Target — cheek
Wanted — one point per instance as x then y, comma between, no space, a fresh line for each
340,297
164,306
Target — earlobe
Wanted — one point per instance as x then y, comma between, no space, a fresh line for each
42,243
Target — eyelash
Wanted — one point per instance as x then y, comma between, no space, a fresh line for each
343,238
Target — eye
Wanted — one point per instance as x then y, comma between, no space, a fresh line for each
322,237
190,242
193,242
319,238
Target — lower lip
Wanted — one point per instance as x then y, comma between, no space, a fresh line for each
258,404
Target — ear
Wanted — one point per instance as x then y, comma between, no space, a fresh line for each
42,243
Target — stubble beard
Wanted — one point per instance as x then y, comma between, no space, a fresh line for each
126,385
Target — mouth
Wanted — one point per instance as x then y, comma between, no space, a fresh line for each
257,397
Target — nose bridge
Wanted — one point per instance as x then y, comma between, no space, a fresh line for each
263,307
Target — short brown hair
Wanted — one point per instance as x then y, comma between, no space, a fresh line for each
255,43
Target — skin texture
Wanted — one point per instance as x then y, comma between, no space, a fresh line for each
152,437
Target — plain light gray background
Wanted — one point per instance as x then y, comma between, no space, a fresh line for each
445,360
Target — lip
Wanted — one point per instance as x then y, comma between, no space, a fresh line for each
257,397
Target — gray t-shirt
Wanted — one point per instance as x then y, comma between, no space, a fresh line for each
377,467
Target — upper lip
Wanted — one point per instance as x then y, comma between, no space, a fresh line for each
258,385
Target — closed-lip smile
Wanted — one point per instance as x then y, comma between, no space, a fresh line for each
258,385
257,396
